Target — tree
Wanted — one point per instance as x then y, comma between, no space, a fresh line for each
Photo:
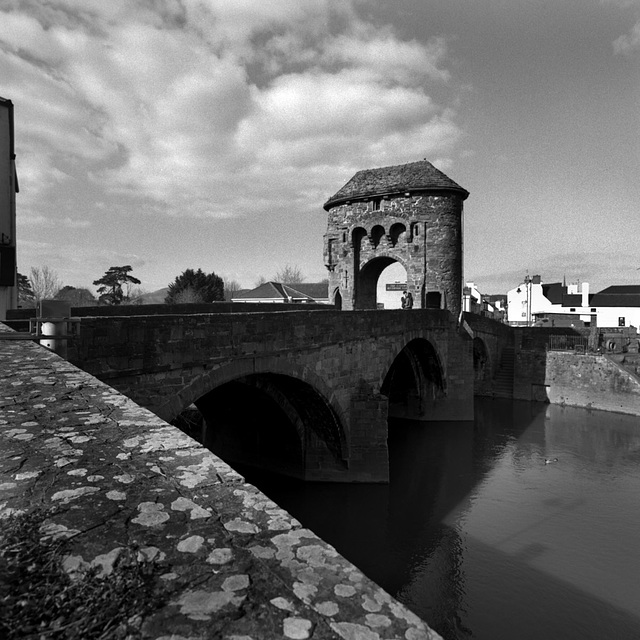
45,283
195,286
231,287
260,280
76,297
26,297
111,283
289,275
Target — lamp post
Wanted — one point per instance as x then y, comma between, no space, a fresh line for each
527,301
527,281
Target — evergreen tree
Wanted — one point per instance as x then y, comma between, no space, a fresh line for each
26,296
195,286
111,283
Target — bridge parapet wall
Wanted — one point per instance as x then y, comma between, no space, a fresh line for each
167,362
135,353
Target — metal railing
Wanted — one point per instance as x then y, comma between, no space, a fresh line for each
579,344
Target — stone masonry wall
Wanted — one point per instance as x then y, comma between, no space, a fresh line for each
167,362
591,381
429,247
113,480
333,351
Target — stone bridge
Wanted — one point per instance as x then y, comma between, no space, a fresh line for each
305,392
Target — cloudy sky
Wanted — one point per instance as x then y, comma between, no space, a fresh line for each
174,134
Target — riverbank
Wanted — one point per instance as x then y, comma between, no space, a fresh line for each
113,478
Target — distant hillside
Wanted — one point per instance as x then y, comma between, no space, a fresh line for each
154,297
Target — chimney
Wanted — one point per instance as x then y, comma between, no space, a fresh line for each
585,294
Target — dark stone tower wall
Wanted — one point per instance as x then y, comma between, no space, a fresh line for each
420,229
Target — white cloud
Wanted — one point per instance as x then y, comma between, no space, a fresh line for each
214,108
628,43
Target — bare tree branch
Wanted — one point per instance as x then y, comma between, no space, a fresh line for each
45,283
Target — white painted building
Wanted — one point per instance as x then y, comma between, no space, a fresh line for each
617,306
534,302
490,306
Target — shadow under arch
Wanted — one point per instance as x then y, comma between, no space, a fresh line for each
415,381
367,281
272,420
481,367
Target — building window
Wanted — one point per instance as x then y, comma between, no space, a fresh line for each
593,309
375,204
621,321
572,309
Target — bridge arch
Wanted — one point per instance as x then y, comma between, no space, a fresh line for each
415,381
271,416
367,280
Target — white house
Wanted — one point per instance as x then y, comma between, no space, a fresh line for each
534,302
485,305
617,306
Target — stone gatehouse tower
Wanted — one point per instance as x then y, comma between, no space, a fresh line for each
411,214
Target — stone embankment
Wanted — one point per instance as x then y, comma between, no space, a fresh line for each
233,564
593,381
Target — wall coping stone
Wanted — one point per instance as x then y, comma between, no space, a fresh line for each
235,564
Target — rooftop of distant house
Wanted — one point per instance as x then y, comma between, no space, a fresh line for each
301,291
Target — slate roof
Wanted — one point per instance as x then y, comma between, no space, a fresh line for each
414,176
572,300
315,290
626,295
554,292
273,290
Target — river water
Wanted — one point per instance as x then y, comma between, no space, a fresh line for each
522,524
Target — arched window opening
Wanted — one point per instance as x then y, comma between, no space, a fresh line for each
397,233
356,237
377,234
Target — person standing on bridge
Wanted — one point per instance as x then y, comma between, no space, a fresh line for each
408,301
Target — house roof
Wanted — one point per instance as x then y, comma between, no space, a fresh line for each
553,291
572,300
273,290
617,296
316,290
414,176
